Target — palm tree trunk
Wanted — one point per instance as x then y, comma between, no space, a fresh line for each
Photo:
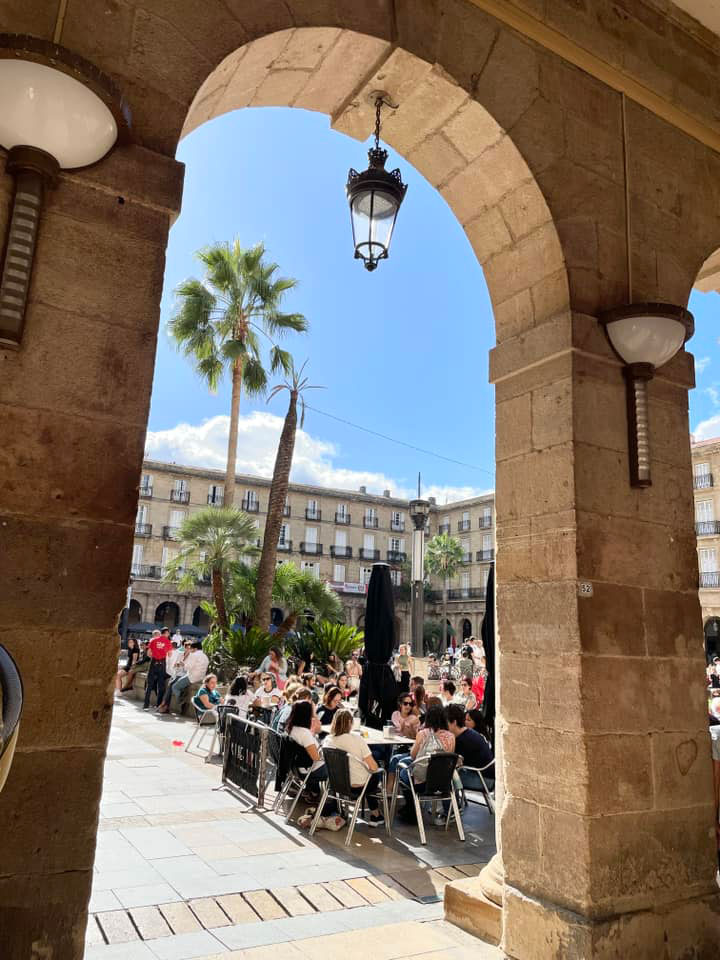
237,377
287,625
445,629
219,598
276,505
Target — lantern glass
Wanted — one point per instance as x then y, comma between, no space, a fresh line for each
45,108
647,338
373,218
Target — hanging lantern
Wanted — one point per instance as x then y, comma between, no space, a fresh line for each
374,196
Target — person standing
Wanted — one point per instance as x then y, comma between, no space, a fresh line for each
196,665
159,647
406,666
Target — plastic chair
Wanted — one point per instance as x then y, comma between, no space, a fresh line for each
297,777
201,728
438,785
339,786
470,794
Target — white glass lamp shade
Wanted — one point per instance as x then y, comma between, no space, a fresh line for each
373,218
649,333
45,108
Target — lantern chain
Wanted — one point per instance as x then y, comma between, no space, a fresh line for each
378,108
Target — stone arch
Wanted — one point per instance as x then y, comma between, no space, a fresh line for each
466,628
200,619
135,611
167,614
711,634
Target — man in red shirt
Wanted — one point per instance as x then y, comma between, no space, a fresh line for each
159,647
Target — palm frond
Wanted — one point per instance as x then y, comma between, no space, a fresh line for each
254,377
280,360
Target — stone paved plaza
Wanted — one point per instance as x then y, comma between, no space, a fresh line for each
183,870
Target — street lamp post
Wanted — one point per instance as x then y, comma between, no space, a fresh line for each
419,511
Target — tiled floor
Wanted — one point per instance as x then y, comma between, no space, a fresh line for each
183,870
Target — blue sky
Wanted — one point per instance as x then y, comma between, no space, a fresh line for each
403,350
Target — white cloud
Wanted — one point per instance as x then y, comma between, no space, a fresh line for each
714,395
701,364
707,429
314,461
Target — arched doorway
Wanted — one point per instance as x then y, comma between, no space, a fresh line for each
466,628
200,619
712,637
168,614
134,612
276,616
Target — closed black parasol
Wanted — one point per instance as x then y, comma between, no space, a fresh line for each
487,632
378,688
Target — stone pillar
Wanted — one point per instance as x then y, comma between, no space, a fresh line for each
74,409
607,821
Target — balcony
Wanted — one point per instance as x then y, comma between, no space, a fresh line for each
467,593
369,554
216,499
707,528
285,545
313,514
710,579
463,525
466,558
336,551
180,496
396,556
701,481
250,506
143,529
342,518
444,528
370,522
144,571
170,533
484,555
146,492
485,522
311,548
398,526
286,510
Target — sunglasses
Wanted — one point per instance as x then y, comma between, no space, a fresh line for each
407,703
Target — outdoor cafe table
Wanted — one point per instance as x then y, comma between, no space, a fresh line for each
373,737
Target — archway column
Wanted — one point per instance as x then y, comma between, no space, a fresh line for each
607,816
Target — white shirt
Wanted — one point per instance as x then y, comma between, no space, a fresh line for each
172,662
196,666
355,746
268,700
242,702
303,736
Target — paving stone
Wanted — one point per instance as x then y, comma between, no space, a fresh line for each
345,894
368,890
263,904
450,873
185,946
237,909
319,898
150,923
292,902
93,934
208,913
180,917
117,926
388,886
154,893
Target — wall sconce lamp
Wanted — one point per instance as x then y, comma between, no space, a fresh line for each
644,336
57,112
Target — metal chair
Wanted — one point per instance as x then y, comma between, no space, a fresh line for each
438,785
470,794
296,777
201,728
339,786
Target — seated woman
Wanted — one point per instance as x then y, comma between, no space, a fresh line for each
299,728
268,696
465,696
343,685
466,664
126,673
405,720
420,699
436,727
330,705
239,696
363,766
282,714
433,668
206,699
447,692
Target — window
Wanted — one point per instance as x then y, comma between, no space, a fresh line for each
339,573
176,518
465,545
485,575
180,486
167,556
487,517
397,545
396,577
309,566
365,574
142,514
312,508
465,584
137,559
216,494
284,533
370,513
700,469
369,541
341,538
146,482
446,521
704,511
250,500
341,510
708,560
397,520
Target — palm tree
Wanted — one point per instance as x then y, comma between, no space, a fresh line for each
295,387
214,543
218,321
443,555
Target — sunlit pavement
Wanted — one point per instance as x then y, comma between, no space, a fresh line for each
183,871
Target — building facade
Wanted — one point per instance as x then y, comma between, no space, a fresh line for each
336,535
706,480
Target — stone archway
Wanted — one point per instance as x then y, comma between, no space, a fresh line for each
711,632
528,152
200,619
167,614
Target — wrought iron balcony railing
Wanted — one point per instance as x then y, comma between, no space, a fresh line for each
366,554
250,506
468,593
444,528
143,529
485,522
711,579
146,571
342,518
285,545
180,496
396,556
313,514
314,548
397,525
466,558
485,555
216,499
336,551
286,510
463,524
706,528
370,522
701,481
170,533
146,492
